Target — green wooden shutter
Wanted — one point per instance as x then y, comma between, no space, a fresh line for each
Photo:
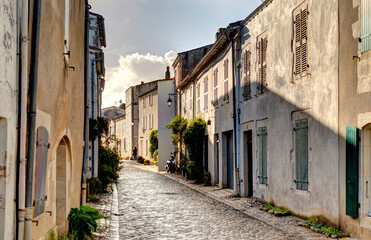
42,146
352,171
366,25
301,154
262,154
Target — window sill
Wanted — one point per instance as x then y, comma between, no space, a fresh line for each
301,79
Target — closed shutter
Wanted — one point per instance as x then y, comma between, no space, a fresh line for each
262,154
42,146
262,65
301,154
206,93
366,26
226,68
301,43
216,87
247,77
351,171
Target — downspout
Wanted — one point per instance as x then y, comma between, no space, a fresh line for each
92,109
86,100
32,115
236,162
24,41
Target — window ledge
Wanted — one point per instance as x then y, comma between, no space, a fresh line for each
303,78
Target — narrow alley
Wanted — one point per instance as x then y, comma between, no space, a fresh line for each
152,206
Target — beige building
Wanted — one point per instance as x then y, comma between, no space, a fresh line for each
154,113
44,97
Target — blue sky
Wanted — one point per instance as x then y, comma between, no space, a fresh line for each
143,36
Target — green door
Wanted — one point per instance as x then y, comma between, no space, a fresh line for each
352,171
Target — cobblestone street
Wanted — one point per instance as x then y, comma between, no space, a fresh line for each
152,206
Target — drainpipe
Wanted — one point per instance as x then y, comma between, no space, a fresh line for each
24,41
92,107
32,115
236,162
86,99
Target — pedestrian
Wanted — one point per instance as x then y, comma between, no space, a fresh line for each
134,152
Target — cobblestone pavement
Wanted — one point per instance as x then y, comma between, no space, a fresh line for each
152,206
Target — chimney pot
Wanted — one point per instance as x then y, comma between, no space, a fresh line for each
167,73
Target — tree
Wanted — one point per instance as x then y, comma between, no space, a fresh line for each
153,141
193,139
177,126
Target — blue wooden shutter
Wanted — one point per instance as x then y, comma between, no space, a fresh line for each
352,171
262,154
42,146
366,25
301,154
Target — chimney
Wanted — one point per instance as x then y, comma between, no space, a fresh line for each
167,73
142,82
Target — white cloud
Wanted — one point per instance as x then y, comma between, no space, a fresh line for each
133,69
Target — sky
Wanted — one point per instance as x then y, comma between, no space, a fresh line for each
144,36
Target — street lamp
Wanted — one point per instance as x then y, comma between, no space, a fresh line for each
169,101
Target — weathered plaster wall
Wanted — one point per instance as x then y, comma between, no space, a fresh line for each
8,115
354,110
60,101
315,96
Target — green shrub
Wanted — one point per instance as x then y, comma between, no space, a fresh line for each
93,198
155,156
146,162
82,222
95,185
193,138
108,166
140,159
153,142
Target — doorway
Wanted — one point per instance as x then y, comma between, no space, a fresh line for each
61,187
248,163
216,160
206,153
229,148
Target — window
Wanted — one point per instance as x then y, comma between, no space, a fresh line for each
151,121
301,41
262,154
262,64
301,154
215,87
190,97
206,94
144,102
150,99
246,61
67,9
365,25
42,146
124,144
185,102
144,122
225,83
198,92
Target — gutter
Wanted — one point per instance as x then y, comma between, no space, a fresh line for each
32,115
236,162
22,120
86,105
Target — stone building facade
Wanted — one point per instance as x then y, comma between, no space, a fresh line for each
283,92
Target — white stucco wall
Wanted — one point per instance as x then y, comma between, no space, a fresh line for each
165,114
